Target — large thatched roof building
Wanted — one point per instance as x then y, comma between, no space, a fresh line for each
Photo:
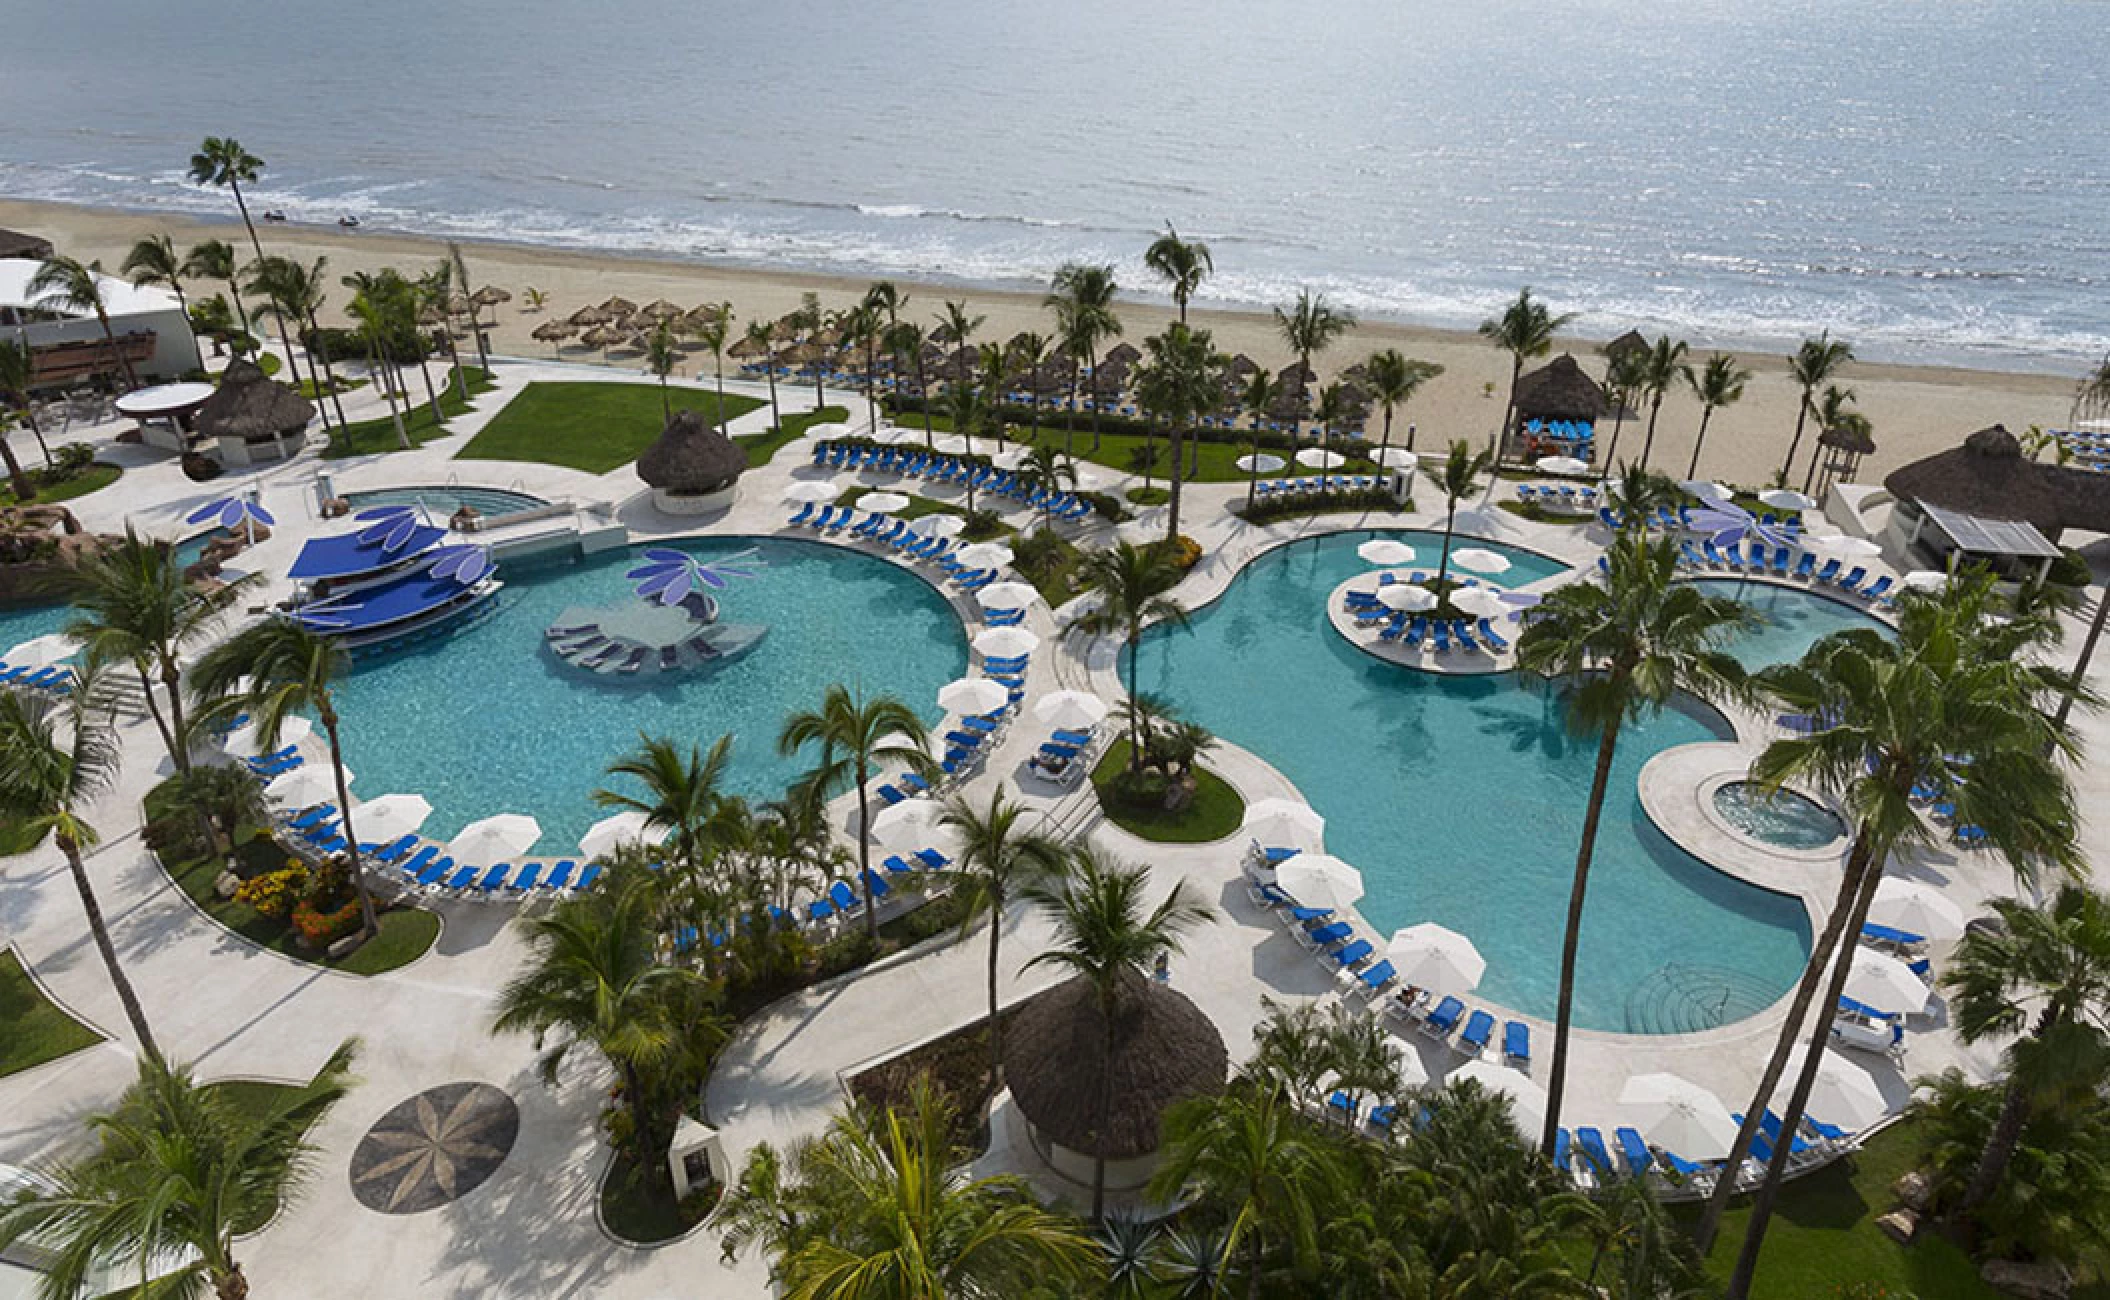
1084,1104
1994,504
252,416
1560,390
693,468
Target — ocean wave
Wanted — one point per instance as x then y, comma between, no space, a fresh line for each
911,212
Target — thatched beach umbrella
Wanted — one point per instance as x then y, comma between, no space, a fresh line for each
1126,354
619,307
252,406
490,296
747,349
604,336
691,458
553,332
587,317
659,309
1559,390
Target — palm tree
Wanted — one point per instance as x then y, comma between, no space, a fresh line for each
15,370
181,1171
1179,382
1833,411
436,294
304,294
995,862
221,161
714,334
1661,366
1720,383
1524,330
1459,478
57,757
2046,976
1131,583
1106,934
593,978
857,734
683,793
1623,379
1082,298
1952,683
280,282
155,261
133,606
461,280
661,356
1258,399
761,334
271,670
1181,263
1815,362
960,323
861,329
2091,397
1027,351
1393,379
1626,647
881,1207
1255,1160
376,315
214,259
76,286
907,340
1309,327
1045,473
970,411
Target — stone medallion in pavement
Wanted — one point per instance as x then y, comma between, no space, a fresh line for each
434,1148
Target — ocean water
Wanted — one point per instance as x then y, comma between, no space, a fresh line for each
1925,177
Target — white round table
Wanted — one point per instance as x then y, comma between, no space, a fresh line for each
164,401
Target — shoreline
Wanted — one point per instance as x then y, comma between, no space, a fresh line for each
1916,409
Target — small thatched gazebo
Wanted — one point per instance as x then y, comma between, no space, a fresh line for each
1626,345
1991,502
1561,391
252,417
694,468
1844,445
1083,1106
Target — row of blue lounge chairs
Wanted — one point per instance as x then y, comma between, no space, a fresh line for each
1314,485
1784,562
1575,500
843,900
428,867
938,468
58,679
1065,755
1593,1163
1682,520
885,530
1561,430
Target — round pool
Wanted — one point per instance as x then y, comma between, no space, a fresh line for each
1791,619
1785,820
486,720
444,501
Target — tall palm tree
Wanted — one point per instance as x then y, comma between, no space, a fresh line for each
1393,379
661,356
1258,399
77,286
222,162
907,341
1719,383
303,288
1813,364
461,280
761,334
1625,648
1026,352
1044,472
714,334
1623,381
1309,327
1459,478
1107,934
374,309
1953,684
881,1207
683,793
214,259
15,370
271,670
280,282
2091,397
181,1171
1179,382
133,605
1834,410
57,757
1082,298
436,294
1255,1160
155,261
1661,367
1131,583
971,412
1524,330
961,323
857,734
861,328
995,862
1181,263
2045,976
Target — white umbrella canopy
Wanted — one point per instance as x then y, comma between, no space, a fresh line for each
246,741
391,817
1679,1115
1431,957
307,785
1847,548
1479,560
1320,458
1787,499
610,833
1071,710
1406,596
1284,823
1845,1094
916,824
1479,602
894,435
984,555
815,490
973,696
1260,463
1005,642
1396,458
1880,980
1705,490
1385,552
938,525
1320,880
882,503
1567,465
1925,580
1919,908
494,839
42,652
1527,1101
1007,595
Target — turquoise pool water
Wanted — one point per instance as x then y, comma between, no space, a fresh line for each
1787,819
1461,798
19,623
446,500
1795,619
487,721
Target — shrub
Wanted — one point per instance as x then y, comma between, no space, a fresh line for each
1104,504
1291,507
274,893
1038,552
2070,569
69,460
405,344
320,929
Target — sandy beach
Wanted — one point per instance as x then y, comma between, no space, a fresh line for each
1915,410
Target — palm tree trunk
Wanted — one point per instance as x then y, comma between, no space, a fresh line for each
1802,413
1816,454
110,337
1092,359
369,923
1648,444
100,930
1172,508
329,371
1069,425
1699,440
1611,454
1450,522
930,437
864,852
1106,1108
388,394
1509,407
241,313
25,491
2006,1136
2080,664
776,417
432,399
666,403
146,691
230,1285
1571,938
36,430
996,1024
172,682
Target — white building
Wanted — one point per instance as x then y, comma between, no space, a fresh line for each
68,345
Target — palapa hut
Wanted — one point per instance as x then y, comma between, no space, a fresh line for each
694,468
252,417
1082,1105
1626,345
1988,502
1843,447
1558,390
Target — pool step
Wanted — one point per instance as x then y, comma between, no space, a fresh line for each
1677,998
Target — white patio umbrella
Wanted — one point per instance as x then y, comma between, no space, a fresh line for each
610,833
1847,548
1679,1115
1519,599
1385,552
1430,956
1412,1073
1567,465
1260,463
952,444
938,525
984,555
914,824
306,786
1320,458
246,741
1880,980
1407,596
1007,595
1396,458
1925,580
1007,457
882,503
1479,602
1479,560
1845,1094
494,839
973,696
1284,823
894,435
1786,499
815,490
42,652
1005,642
1917,907
390,817
1705,490
1527,1101
1320,880
1071,710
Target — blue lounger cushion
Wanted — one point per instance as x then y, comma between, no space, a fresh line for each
1445,1017
1516,1041
1479,1027
1594,1152
1636,1153
1355,952
1328,935
561,874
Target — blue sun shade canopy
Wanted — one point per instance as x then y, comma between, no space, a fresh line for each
668,577
380,605
373,548
231,512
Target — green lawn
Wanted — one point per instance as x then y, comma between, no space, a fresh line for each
1216,811
760,447
644,1211
369,437
93,479
33,1029
1532,511
595,427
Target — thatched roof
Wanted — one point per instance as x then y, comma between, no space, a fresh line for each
1165,1051
691,457
1854,438
1559,390
252,406
1626,344
1988,476
14,243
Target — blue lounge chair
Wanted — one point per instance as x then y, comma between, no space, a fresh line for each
1495,641
1444,1018
1828,572
529,876
1829,1132
915,783
1077,738
1326,936
313,817
820,909
1594,1153
1851,583
805,513
561,874
1679,1165
1352,955
932,859
1879,589
1780,561
876,886
1562,1145
1516,1042
1375,978
844,897
1306,915
1634,1150
434,873
420,860
462,877
1806,566
898,865
1479,1027
891,796
495,879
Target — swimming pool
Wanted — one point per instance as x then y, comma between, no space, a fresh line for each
19,623
486,720
1461,799
444,501
1794,619
1787,820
